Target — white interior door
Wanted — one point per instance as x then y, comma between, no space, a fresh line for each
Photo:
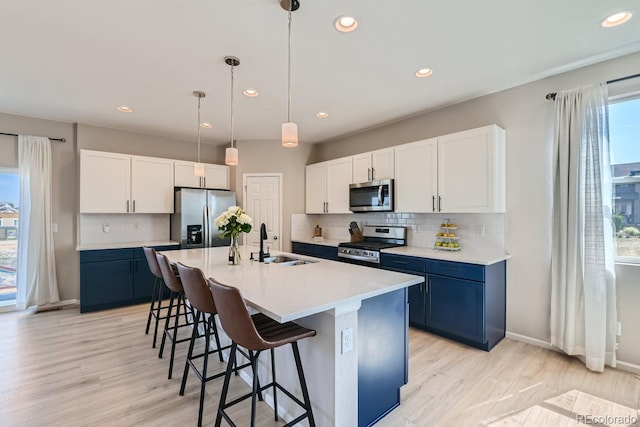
263,204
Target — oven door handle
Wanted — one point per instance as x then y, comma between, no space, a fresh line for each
359,257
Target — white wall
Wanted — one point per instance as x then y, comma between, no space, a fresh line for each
528,120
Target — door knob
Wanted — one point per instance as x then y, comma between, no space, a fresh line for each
275,237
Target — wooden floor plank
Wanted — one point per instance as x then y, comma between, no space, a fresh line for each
63,368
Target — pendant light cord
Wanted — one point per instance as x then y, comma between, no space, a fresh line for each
289,71
199,128
232,67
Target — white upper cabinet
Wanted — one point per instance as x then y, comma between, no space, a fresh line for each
327,186
105,182
461,172
416,186
151,185
471,171
373,165
215,176
120,183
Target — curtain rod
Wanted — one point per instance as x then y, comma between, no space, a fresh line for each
52,139
551,96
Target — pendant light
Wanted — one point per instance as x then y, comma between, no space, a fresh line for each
231,153
198,168
289,129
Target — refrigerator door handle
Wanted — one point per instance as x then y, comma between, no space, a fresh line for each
205,225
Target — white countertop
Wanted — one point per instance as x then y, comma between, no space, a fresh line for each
287,293
324,242
487,256
98,246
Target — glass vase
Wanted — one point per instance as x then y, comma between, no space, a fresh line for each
234,251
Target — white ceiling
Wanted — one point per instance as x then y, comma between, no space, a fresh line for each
76,61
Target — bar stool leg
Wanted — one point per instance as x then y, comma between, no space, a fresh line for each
204,369
175,334
153,302
159,307
255,386
194,336
217,337
225,385
303,384
166,325
273,376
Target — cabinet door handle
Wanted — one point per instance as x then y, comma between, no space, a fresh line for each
134,205
433,203
401,262
127,206
439,204
372,174
204,178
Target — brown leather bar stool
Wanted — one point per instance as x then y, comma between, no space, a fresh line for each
257,333
200,298
155,309
178,301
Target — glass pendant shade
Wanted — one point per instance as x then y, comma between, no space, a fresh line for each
289,134
231,156
198,169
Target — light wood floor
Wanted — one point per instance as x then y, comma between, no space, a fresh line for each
62,368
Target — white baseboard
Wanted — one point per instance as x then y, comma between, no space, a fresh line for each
621,365
529,340
629,367
70,303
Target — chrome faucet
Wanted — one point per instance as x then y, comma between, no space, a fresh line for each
263,237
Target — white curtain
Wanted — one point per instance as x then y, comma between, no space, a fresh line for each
36,280
583,290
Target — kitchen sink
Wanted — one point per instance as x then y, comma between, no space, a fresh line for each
285,260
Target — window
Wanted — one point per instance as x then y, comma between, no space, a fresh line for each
624,135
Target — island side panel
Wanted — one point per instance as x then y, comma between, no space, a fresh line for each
382,354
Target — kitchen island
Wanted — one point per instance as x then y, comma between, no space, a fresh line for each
335,299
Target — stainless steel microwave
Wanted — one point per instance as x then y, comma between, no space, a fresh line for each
371,196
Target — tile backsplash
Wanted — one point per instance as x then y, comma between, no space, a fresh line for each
474,229
122,228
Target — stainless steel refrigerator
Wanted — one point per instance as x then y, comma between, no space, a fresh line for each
195,210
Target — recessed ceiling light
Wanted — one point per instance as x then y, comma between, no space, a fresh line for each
250,92
616,19
125,109
424,72
322,114
346,24
206,125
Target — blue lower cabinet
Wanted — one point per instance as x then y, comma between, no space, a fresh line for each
456,306
382,355
467,302
318,251
112,278
461,301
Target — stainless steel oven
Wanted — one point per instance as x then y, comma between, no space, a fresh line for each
376,238
371,196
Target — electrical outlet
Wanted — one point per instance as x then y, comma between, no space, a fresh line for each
54,228
619,329
129,226
480,230
106,228
347,340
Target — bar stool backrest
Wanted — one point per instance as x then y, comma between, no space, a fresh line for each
235,318
196,288
168,275
150,254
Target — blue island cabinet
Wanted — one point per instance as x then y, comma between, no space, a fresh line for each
112,278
